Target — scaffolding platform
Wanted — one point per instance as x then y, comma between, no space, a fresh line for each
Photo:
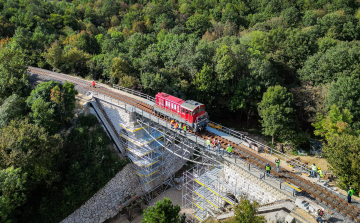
145,150
143,140
206,191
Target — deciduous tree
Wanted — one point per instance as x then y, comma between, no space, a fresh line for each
276,111
12,108
12,190
343,155
29,146
13,78
336,122
163,212
246,212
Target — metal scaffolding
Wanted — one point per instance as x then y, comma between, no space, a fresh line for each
148,147
156,150
205,192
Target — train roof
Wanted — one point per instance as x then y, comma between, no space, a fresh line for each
170,97
191,105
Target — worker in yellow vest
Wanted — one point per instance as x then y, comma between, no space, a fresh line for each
313,170
277,161
320,174
229,149
184,128
208,143
267,168
350,193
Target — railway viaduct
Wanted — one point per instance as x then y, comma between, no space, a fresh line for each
215,183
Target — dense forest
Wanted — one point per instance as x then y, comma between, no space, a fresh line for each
293,65
225,54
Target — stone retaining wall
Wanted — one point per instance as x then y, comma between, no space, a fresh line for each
104,204
250,185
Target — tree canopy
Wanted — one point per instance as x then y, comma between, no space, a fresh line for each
276,111
163,212
246,212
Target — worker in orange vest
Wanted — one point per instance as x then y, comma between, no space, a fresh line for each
176,126
172,123
93,83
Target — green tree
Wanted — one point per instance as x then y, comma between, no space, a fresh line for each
336,122
198,24
12,108
204,80
13,78
154,82
246,212
163,212
12,188
276,111
119,68
345,93
343,60
29,147
75,60
343,155
54,55
52,104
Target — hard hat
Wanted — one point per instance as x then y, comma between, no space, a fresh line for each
228,144
268,163
319,168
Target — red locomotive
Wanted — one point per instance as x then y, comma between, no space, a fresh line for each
189,112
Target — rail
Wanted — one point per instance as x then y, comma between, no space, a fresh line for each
237,134
247,141
137,93
316,191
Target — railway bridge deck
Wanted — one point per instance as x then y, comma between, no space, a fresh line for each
244,153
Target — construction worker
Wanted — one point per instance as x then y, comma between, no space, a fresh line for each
180,127
229,149
320,215
213,144
176,126
313,170
208,143
277,161
184,128
267,168
219,145
320,174
349,194
172,123
93,83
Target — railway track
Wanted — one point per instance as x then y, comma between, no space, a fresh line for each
316,191
320,194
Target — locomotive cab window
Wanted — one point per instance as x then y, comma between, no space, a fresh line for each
196,111
187,112
183,110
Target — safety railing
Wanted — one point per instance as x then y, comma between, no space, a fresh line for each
248,142
137,93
